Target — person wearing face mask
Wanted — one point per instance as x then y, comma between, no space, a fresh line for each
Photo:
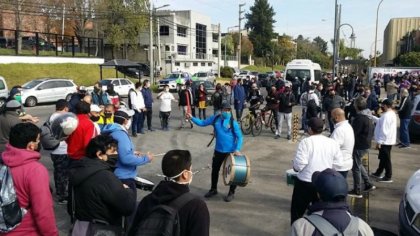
371,99
15,94
128,158
286,101
239,96
106,116
98,193
255,99
228,140
31,181
114,97
165,107
136,102
148,102
331,102
95,115
194,217
76,98
100,97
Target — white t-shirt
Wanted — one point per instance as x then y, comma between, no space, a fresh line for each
343,134
166,99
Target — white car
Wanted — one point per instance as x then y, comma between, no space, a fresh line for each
204,76
47,90
245,75
4,92
171,80
121,85
409,214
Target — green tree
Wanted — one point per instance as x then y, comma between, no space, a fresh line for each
286,49
228,42
321,44
260,22
411,59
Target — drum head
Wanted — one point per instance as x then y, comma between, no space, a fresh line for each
248,173
144,181
228,170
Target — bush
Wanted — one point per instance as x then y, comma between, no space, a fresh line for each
226,72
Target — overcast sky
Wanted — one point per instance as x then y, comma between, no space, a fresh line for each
311,18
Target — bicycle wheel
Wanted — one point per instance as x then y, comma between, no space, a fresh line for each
246,124
257,126
273,125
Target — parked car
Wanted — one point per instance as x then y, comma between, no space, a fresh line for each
121,85
204,76
4,91
409,213
255,74
414,126
144,70
171,80
246,74
209,86
47,90
263,78
30,42
5,43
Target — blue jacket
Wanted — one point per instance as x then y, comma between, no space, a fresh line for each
227,141
239,97
127,161
147,96
100,99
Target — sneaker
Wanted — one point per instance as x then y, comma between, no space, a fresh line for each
62,202
151,130
277,136
211,193
134,135
229,197
369,188
374,175
402,146
385,180
192,126
355,194
288,137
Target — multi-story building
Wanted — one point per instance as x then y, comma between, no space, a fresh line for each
188,42
394,32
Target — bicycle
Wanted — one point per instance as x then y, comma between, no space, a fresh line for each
264,119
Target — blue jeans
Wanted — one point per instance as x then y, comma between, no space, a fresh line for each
404,134
137,125
358,170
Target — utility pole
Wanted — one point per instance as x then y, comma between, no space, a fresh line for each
158,44
219,52
376,33
152,69
240,34
335,39
337,62
62,29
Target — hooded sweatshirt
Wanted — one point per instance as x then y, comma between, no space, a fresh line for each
127,160
32,187
80,138
194,216
98,193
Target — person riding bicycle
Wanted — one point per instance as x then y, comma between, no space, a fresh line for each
255,99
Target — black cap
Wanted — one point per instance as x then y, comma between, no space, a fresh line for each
330,185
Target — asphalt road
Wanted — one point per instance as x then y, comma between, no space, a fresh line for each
262,207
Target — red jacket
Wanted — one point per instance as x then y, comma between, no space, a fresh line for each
79,139
32,187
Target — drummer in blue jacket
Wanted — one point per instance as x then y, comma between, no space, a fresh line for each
228,140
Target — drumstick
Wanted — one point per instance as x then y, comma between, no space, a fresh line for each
160,154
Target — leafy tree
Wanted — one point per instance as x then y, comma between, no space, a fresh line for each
287,49
411,59
247,47
260,21
228,42
321,44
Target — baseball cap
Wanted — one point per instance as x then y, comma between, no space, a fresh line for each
124,113
330,184
95,108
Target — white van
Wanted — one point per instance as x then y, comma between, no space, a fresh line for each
4,91
302,68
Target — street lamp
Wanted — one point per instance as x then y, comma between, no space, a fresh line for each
152,66
376,32
232,27
352,42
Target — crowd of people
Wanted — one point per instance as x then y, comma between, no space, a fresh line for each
95,167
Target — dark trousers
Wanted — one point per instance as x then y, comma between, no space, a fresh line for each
384,161
148,117
330,122
61,175
218,159
359,171
304,193
137,124
132,185
239,114
203,111
343,173
164,119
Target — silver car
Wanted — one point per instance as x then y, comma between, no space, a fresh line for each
204,76
47,90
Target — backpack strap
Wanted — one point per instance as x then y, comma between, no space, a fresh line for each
353,227
180,201
322,225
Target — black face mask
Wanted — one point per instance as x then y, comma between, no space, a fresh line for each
38,149
112,160
108,114
94,118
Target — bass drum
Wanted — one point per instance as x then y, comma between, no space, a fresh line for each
63,125
236,170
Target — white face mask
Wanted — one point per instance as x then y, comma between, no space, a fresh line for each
176,176
127,126
166,90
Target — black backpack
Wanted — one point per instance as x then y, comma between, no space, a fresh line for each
163,220
217,100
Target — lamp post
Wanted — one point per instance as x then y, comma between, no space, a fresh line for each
376,33
352,42
152,66
232,27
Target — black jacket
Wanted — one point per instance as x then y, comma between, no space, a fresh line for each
194,215
404,111
98,193
185,98
331,103
285,99
363,131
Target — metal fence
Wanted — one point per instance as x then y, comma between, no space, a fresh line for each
30,43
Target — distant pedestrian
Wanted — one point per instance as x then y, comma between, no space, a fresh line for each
286,103
148,102
201,97
100,97
136,103
404,113
217,99
185,105
239,96
166,99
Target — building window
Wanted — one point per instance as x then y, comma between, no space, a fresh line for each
209,64
164,30
203,64
181,31
167,48
200,40
195,64
216,38
215,52
177,64
182,49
